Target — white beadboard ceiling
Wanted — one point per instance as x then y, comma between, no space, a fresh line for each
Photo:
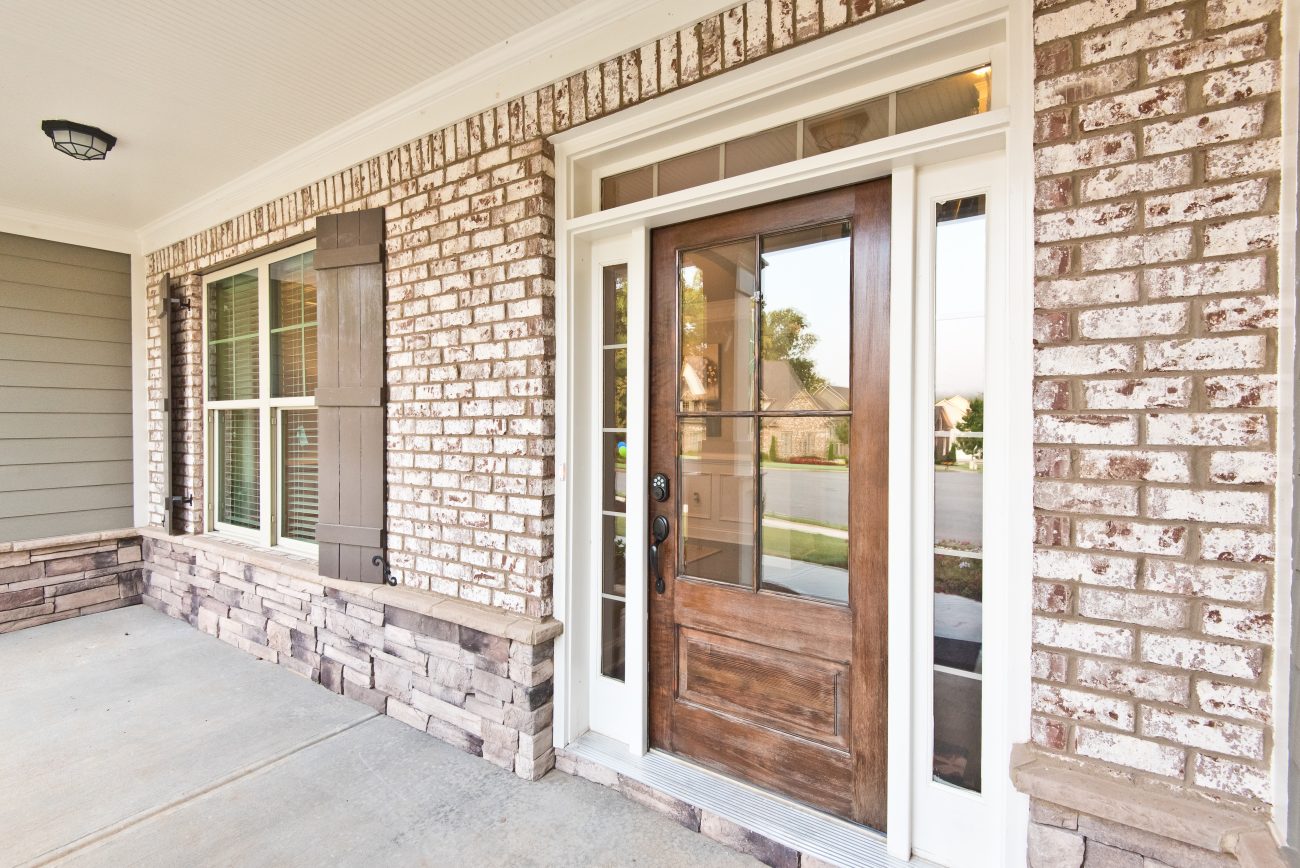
202,92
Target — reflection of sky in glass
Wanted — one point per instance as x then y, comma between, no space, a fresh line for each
959,287
814,280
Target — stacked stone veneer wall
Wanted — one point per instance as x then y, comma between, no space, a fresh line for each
485,688
63,577
470,305
1157,200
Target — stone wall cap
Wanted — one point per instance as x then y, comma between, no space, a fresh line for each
67,540
1216,827
485,619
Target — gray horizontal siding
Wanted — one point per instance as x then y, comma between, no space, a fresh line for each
65,389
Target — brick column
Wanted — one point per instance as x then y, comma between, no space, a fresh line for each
1157,163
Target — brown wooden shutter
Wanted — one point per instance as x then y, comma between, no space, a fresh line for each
350,393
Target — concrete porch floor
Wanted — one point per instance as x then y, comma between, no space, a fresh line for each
131,738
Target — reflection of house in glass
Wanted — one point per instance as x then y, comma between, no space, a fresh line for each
818,437
947,413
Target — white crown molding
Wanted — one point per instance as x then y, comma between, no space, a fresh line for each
585,35
68,230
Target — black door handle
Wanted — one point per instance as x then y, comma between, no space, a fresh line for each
659,533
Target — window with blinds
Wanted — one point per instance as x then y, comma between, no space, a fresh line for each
233,363
293,326
240,503
261,386
298,477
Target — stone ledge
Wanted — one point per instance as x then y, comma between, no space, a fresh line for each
494,622
1217,828
75,539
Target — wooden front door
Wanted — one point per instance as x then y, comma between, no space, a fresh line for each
768,428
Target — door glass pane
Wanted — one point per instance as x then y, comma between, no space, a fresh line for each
613,571
717,500
241,500
844,127
761,150
293,326
718,288
957,705
690,170
956,96
613,627
805,500
232,337
615,385
614,471
959,379
627,187
805,319
298,474
615,305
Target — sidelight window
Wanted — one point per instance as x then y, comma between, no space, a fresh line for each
960,234
613,526
260,368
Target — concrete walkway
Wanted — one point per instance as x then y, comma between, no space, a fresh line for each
128,738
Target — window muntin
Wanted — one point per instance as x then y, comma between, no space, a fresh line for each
960,290
260,342
961,95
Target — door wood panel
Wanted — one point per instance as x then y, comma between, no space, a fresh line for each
787,692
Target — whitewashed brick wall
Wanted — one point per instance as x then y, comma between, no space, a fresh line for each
1157,164
470,305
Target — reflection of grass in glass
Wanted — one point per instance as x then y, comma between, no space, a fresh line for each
799,519
839,467
963,577
813,548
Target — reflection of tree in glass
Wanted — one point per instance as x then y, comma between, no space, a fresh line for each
786,337
695,312
973,421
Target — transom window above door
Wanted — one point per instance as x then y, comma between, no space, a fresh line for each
954,96
260,386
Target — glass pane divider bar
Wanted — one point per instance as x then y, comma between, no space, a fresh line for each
962,673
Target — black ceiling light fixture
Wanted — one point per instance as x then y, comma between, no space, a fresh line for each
79,141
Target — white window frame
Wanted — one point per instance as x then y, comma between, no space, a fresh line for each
270,410
993,826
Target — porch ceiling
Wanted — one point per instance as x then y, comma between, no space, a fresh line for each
199,93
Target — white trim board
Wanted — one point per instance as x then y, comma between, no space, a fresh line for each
67,230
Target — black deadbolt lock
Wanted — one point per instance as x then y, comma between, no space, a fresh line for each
659,487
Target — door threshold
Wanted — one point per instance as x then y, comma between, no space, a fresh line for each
785,821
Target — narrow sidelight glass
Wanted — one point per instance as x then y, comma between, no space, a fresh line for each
960,288
613,439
